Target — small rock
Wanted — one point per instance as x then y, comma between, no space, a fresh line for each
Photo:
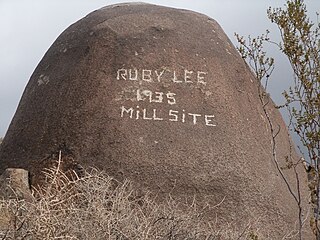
14,184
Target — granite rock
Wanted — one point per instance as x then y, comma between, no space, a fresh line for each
160,96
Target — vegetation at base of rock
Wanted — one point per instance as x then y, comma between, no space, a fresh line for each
97,206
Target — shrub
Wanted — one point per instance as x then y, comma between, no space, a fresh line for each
97,206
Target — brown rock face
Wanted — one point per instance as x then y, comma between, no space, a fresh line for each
159,96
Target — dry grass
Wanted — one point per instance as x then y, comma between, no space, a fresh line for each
98,207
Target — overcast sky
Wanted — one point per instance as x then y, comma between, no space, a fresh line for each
29,27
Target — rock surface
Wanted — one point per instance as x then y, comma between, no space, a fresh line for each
14,184
159,96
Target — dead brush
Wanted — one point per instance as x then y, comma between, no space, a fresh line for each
97,206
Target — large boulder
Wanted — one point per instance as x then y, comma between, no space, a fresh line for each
159,96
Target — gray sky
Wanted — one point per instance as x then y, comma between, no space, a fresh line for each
29,27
